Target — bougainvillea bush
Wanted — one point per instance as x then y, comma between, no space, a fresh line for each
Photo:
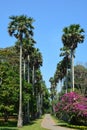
72,108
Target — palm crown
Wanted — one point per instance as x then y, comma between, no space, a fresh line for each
20,26
72,36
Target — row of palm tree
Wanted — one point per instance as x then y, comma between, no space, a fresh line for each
72,35
22,29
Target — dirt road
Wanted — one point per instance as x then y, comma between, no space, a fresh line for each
51,125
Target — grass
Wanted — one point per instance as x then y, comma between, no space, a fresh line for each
35,125
64,124
11,125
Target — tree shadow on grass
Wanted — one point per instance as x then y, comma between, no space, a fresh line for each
32,121
8,128
10,125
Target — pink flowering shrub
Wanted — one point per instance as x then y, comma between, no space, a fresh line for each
72,108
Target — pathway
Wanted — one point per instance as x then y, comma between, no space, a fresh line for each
51,125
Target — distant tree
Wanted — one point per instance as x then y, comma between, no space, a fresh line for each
52,91
81,79
66,62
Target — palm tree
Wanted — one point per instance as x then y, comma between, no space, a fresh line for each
36,62
38,90
28,50
72,35
53,91
66,62
20,27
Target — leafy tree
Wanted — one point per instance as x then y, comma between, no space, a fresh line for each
46,101
8,97
81,79
80,74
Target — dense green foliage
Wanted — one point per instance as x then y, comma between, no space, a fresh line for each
9,87
80,74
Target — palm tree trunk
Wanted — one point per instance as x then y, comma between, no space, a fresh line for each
33,78
24,68
41,103
38,105
72,70
26,116
28,70
20,120
28,83
25,113
37,100
66,80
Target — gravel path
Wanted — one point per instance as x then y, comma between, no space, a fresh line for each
51,125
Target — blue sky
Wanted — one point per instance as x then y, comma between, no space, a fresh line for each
51,16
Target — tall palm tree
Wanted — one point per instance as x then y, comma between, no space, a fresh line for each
66,62
53,90
36,62
72,35
20,27
38,90
28,50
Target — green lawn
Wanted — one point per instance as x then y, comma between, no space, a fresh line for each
34,125
62,123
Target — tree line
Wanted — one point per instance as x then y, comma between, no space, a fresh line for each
71,78
23,92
